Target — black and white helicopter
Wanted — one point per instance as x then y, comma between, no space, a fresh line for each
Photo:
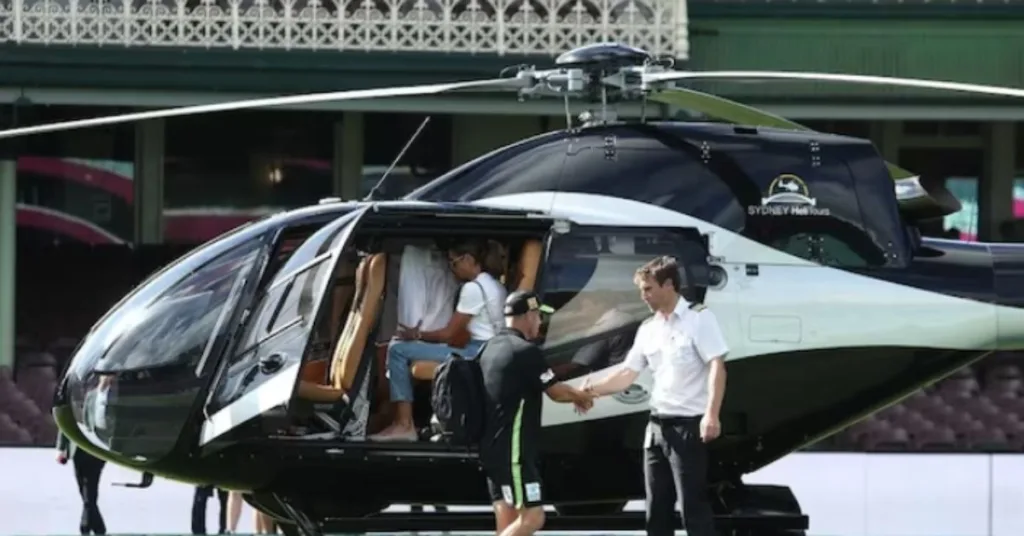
805,244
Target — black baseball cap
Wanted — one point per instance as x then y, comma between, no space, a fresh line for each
523,301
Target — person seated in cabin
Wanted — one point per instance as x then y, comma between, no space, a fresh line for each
477,318
426,288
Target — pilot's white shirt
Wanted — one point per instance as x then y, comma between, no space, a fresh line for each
678,350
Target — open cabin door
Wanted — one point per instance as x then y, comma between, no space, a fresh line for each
262,368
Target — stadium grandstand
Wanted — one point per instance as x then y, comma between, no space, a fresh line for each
93,212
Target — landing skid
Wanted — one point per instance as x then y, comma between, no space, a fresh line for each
757,510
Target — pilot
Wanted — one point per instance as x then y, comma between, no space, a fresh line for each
683,346
514,375
476,319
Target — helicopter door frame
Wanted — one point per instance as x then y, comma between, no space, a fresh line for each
262,367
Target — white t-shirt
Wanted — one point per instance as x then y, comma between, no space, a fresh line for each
426,289
678,351
485,322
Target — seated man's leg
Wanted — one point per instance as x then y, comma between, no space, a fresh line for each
400,356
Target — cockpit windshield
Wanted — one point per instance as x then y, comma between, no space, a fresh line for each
179,327
134,382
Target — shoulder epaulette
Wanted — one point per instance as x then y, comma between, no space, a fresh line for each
698,307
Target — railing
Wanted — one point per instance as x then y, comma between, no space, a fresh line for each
502,27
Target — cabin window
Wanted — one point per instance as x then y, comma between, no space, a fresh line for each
292,296
588,279
652,173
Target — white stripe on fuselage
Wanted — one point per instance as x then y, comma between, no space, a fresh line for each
790,305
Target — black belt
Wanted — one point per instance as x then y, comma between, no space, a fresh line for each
673,419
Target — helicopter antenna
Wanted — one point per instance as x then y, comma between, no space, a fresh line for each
376,187
568,113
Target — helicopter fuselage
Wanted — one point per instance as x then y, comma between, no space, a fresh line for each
833,306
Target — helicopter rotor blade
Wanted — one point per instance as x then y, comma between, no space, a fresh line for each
735,112
333,96
655,78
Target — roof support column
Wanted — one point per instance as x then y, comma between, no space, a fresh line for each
348,156
8,260
887,137
995,189
148,182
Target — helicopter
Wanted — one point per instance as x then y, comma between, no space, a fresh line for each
806,245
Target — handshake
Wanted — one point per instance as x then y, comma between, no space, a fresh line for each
584,397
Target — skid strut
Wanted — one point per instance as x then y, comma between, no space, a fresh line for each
304,526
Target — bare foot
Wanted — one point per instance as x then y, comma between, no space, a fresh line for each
396,432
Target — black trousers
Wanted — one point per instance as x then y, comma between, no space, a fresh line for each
88,469
676,465
199,499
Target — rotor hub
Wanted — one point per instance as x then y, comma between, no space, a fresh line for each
603,73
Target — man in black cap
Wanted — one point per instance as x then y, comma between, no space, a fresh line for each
515,374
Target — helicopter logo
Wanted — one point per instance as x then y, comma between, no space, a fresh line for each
788,195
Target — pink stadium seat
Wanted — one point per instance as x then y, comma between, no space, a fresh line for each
943,439
1002,371
963,423
960,387
11,433
891,439
989,439
38,383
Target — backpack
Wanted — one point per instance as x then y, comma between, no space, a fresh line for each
458,400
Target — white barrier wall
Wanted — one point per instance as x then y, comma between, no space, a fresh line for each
844,495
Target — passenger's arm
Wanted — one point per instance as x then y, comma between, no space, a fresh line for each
471,303
543,378
625,374
563,392
456,323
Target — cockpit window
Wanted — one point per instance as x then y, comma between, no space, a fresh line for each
178,328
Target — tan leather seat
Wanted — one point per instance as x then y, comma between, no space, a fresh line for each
348,351
529,265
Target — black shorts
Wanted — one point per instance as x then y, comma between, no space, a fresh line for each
517,484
